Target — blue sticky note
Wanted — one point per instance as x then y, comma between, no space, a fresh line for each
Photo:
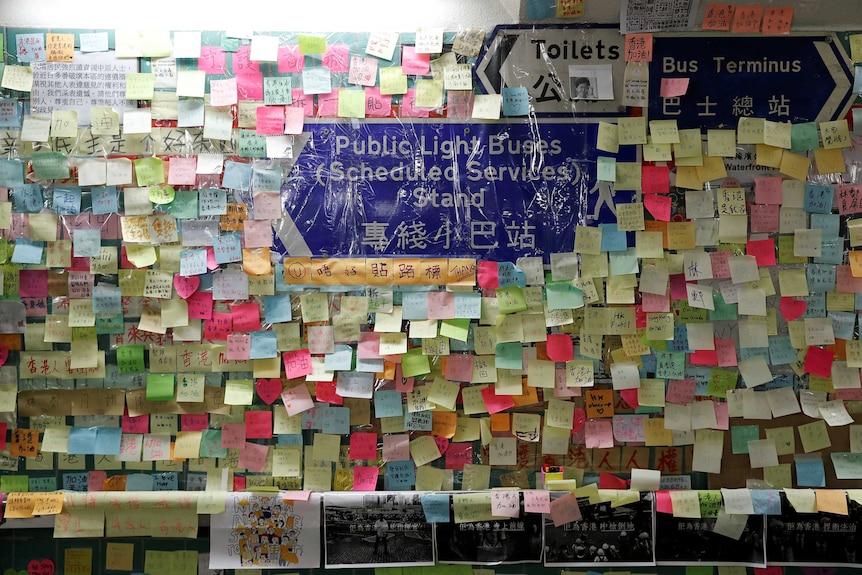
829,223
336,420
563,295
276,309
11,172
832,251
468,304
237,176
86,243
139,482
516,101
27,252
387,403
766,501
108,440
184,206
316,80
508,274
541,9
509,355
680,339
11,115
749,352
369,365
193,262
414,305
105,200
31,47
107,299
842,324
339,360
613,240
436,507
67,201
418,421
263,345
399,475
165,481
809,473
212,202
82,440
821,278
781,351
28,198
290,439
77,481
227,248
815,305
818,198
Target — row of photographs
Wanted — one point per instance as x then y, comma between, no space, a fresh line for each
390,529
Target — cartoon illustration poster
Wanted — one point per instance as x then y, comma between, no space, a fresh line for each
266,531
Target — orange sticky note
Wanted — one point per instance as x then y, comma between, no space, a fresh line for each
777,20
234,218
433,271
717,17
462,272
747,19
297,270
25,443
407,272
831,501
443,423
638,47
599,403
337,271
256,261
500,422
60,47
856,263
379,271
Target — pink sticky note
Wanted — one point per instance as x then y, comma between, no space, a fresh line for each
703,357
845,282
257,233
238,346
496,403
363,445
365,478
33,283
267,205
611,481
599,433
137,424
560,347
673,87
258,424
565,510
223,92
297,363
762,250
96,480
408,106
369,345
441,305
818,361
658,206
663,503
459,104
413,63
297,399
680,391
246,317
765,218
232,435
537,501
768,190
327,104
325,391
505,503
720,264
242,62
725,351
654,303
200,305
253,456
212,60
722,417
560,387
303,101
337,58
269,120
396,447
294,120
181,171
677,287
249,86
290,60
655,179
630,396
459,367
458,455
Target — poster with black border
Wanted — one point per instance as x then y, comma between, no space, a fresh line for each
266,531
499,541
815,539
605,535
685,541
376,529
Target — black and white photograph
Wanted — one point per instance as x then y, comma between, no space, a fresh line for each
684,541
591,83
497,542
620,535
822,539
376,529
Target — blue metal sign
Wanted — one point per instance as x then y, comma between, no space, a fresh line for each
494,191
786,79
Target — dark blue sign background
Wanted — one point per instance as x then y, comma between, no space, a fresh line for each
782,79
493,191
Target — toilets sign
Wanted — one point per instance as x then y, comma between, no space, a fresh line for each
783,79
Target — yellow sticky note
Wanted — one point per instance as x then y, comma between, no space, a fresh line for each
470,507
608,138
119,556
64,124
239,392
632,130
777,134
829,161
856,47
768,156
140,86
814,436
78,560
326,447
721,143
424,450
351,103
429,93
794,165
311,44
664,132
392,80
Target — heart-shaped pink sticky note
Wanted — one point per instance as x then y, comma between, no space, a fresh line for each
442,444
792,308
268,389
43,567
4,354
186,286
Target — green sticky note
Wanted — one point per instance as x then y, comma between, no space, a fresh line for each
149,171
415,363
698,570
785,251
606,169
392,80
211,444
723,311
458,328
804,137
351,103
311,44
10,483
251,144
509,355
160,386
130,359
277,90
51,165
720,382
140,86
710,503
740,436
230,44
688,314
563,295
670,365
184,206
510,299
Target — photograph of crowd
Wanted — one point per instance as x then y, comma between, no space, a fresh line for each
605,534
822,539
386,529
685,541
